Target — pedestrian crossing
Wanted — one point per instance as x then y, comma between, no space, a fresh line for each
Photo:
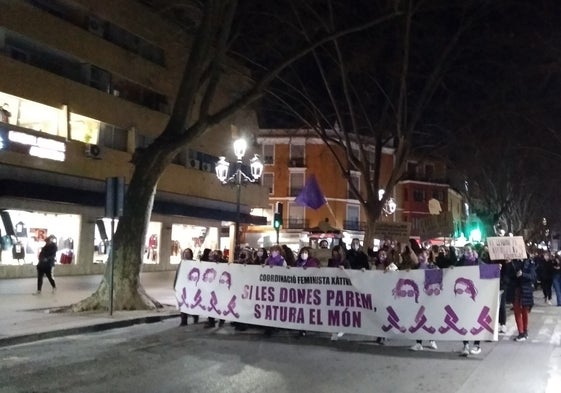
545,326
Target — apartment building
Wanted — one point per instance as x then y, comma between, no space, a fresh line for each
426,200
291,157
84,84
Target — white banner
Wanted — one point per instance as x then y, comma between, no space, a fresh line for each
508,247
450,304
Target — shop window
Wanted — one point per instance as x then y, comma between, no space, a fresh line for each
193,237
24,234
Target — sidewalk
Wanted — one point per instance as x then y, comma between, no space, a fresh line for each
26,318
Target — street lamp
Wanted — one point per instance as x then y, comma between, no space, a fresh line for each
237,179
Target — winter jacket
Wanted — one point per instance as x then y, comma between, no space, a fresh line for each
524,285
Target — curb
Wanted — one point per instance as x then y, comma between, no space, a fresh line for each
27,338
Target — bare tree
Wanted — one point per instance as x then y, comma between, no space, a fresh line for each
194,111
376,90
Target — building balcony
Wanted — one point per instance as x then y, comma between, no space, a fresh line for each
426,179
295,191
354,225
297,162
296,223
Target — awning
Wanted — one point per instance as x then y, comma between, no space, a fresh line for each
32,190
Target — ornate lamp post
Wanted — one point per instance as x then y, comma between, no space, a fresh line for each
237,179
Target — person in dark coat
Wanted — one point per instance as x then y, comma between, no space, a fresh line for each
356,257
520,292
47,258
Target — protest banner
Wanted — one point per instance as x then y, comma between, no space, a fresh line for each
449,304
433,226
508,247
392,230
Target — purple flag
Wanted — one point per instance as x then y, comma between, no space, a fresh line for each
311,196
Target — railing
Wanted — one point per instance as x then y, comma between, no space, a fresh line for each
428,179
295,191
297,162
354,225
296,223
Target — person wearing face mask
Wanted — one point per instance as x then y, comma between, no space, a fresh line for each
469,257
276,258
305,259
260,256
356,257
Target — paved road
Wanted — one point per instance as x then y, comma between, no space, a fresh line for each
163,357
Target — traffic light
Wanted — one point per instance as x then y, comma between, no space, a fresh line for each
277,220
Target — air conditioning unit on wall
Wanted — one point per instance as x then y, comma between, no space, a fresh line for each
93,151
207,167
96,26
195,164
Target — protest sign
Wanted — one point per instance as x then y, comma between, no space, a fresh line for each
508,247
450,304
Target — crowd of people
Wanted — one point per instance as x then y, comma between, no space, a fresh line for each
518,280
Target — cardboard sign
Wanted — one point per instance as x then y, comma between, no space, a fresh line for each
510,247
392,230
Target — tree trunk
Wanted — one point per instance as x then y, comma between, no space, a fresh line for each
128,241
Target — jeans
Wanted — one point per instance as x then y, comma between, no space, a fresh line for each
557,287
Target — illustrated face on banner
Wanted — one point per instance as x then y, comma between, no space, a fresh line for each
209,275
433,289
194,275
464,286
406,288
225,278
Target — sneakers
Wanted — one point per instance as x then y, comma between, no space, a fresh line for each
476,350
36,293
521,337
432,344
502,329
549,302
417,347
54,290
465,351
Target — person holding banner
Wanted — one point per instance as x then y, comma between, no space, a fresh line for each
521,293
356,257
338,258
275,257
305,259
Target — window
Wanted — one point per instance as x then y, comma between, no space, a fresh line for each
355,180
114,137
438,195
296,216
411,169
429,172
267,181
296,156
418,195
406,195
268,154
84,129
296,183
